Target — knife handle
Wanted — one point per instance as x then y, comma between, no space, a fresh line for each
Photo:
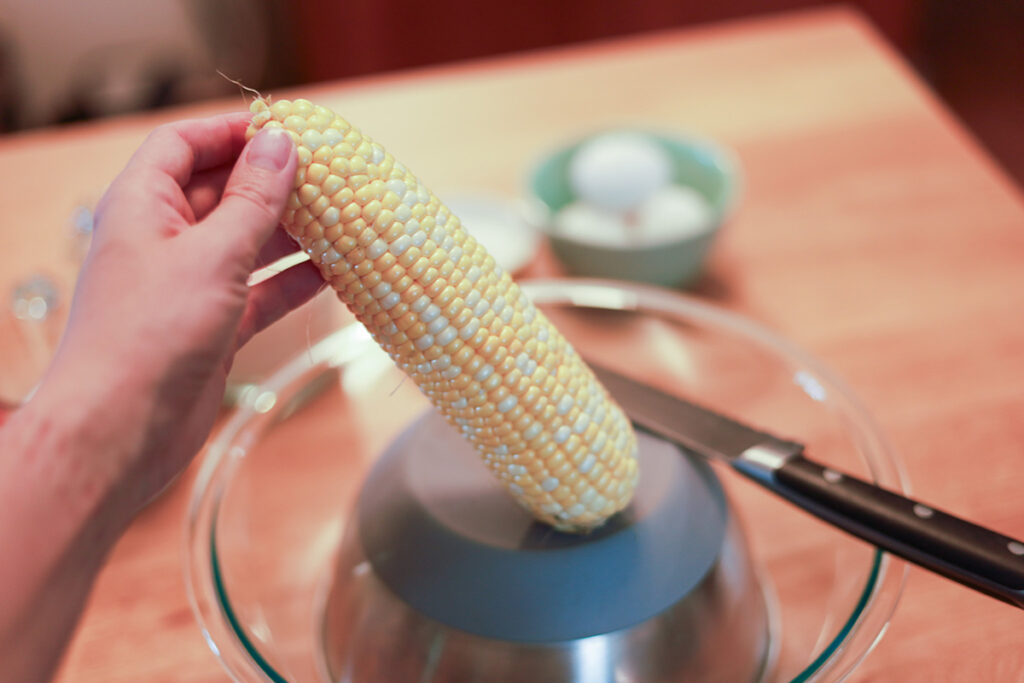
957,549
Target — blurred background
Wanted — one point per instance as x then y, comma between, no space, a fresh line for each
65,60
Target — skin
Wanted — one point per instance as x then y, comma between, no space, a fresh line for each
160,308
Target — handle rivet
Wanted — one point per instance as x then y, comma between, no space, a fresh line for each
923,511
1015,547
831,476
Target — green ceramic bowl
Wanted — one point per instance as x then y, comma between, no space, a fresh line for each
698,163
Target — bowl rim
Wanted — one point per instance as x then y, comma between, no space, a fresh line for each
242,660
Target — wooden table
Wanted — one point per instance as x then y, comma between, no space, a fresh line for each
873,232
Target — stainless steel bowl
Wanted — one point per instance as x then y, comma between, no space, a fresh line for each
443,578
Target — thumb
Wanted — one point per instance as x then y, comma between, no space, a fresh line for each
256,193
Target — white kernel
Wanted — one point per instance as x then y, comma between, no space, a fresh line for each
599,442
565,404
402,213
438,236
412,226
516,469
448,244
516,489
481,307
551,508
529,314
410,199
397,186
455,253
577,510
437,324
420,304
399,246
582,422
543,334
460,403
441,363
312,139
390,329
425,342
508,403
473,274
522,361
452,372
424,368
378,154
531,367
376,249
381,290
447,336
484,372
390,300
549,484
588,496
470,329
473,297
502,449
562,434
499,304
419,238
507,314
431,313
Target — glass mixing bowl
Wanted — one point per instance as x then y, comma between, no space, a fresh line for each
279,480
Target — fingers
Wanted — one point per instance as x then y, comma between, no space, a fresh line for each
254,197
185,147
277,247
146,199
271,299
204,190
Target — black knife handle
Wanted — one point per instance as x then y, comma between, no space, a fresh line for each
967,553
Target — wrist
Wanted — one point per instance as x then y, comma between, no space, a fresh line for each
59,468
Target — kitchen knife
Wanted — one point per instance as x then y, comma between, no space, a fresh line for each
977,557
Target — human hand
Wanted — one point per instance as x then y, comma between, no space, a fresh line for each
162,302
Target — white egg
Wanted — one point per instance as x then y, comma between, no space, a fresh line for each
619,170
673,212
585,222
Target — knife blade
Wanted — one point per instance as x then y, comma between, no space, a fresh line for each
972,555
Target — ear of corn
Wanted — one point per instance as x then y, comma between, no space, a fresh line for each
458,325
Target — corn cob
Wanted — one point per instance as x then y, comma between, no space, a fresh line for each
458,325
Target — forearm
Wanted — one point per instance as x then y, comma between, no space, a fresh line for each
58,521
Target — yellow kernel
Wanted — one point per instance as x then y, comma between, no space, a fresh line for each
331,184
281,109
316,173
384,262
339,165
302,107
358,165
319,205
294,122
323,154
351,211
305,156
308,193
371,210
409,257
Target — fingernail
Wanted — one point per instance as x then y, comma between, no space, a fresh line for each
270,149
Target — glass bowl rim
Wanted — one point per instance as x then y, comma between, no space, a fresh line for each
207,592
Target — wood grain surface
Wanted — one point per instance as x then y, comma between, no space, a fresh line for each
872,231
